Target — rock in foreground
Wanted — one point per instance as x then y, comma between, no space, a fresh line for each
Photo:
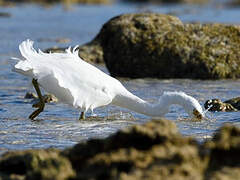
161,46
149,151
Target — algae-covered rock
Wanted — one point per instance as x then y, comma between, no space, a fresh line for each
90,52
161,46
226,106
35,164
48,98
154,150
223,155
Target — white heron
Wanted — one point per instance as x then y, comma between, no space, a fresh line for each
78,83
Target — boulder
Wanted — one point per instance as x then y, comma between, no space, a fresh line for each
35,164
154,150
226,106
90,52
161,46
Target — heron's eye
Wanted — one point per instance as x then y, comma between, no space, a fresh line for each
197,114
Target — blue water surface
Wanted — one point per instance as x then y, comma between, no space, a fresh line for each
58,125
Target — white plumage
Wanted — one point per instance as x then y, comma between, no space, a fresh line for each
77,83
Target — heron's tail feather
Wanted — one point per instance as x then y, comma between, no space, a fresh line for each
27,50
24,66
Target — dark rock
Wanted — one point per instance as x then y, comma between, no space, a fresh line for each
48,98
5,14
30,95
57,40
223,155
154,150
35,164
91,52
235,102
226,106
55,49
161,46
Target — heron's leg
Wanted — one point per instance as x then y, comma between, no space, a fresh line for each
41,100
82,116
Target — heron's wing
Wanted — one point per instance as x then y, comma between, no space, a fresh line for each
67,76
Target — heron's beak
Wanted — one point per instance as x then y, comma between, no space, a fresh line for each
197,114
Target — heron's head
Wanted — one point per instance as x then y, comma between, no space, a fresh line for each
195,110
189,103
197,114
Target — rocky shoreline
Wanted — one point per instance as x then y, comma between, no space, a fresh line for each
149,151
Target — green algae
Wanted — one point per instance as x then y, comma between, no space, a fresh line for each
229,105
161,46
153,150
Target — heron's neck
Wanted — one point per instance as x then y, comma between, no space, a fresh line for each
136,104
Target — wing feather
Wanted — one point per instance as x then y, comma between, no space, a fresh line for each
67,76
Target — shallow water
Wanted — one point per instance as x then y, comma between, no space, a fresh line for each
58,126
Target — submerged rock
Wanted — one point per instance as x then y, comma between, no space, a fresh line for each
161,46
149,151
48,98
226,106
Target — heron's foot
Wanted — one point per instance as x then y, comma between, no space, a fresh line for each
82,116
40,105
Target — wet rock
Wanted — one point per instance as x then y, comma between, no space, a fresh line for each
30,95
55,49
155,150
235,102
91,52
48,98
224,150
57,40
35,164
226,106
5,14
161,46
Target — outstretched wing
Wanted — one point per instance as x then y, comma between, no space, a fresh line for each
68,77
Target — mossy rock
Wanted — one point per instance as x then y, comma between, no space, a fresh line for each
226,106
35,164
223,152
161,46
90,52
154,150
